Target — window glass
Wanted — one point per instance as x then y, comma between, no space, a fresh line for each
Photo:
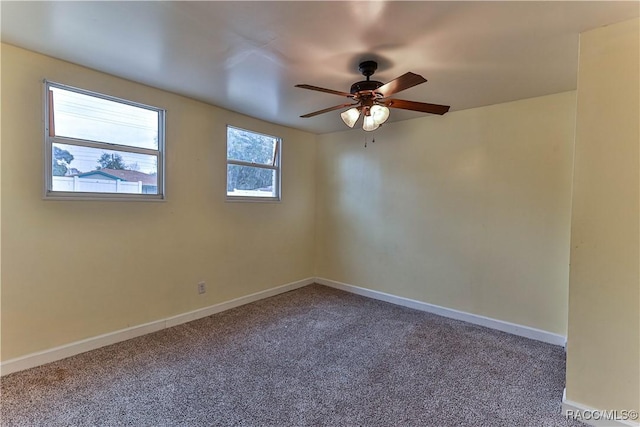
250,147
81,116
250,181
88,169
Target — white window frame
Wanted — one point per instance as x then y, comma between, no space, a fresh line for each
277,166
49,194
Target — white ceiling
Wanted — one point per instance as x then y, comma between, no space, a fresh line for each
247,56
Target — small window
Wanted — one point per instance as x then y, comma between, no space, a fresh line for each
98,146
253,165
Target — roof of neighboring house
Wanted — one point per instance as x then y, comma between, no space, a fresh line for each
124,175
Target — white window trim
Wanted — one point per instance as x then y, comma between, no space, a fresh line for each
47,194
277,168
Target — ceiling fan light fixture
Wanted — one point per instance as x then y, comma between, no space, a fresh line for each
380,114
350,117
370,124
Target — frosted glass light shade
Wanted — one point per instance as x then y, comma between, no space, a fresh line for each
350,117
369,124
379,113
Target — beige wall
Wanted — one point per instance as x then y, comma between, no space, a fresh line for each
76,269
469,211
603,356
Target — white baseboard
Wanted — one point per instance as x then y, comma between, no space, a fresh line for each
57,353
71,349
512,328
595,417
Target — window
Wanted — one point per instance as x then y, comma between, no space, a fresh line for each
98,146
253,165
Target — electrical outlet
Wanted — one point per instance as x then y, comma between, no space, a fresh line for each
202,288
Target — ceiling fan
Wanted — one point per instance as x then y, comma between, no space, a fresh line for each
372,98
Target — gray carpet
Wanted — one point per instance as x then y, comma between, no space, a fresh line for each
311,357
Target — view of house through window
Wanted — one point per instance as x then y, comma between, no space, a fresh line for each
102,146
253,165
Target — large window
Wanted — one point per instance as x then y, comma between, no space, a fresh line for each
98,146
253,165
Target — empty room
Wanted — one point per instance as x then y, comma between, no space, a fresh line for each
331,213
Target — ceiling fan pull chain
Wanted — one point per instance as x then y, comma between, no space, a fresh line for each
373,139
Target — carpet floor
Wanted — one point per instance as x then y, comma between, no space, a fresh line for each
315,356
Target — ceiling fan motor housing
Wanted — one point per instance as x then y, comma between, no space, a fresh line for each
367,68
365,85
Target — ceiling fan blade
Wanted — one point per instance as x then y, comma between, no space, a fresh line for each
321,89
326,110
403,82
417,106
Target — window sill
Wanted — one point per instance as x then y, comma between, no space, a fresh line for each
245,199
102,197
